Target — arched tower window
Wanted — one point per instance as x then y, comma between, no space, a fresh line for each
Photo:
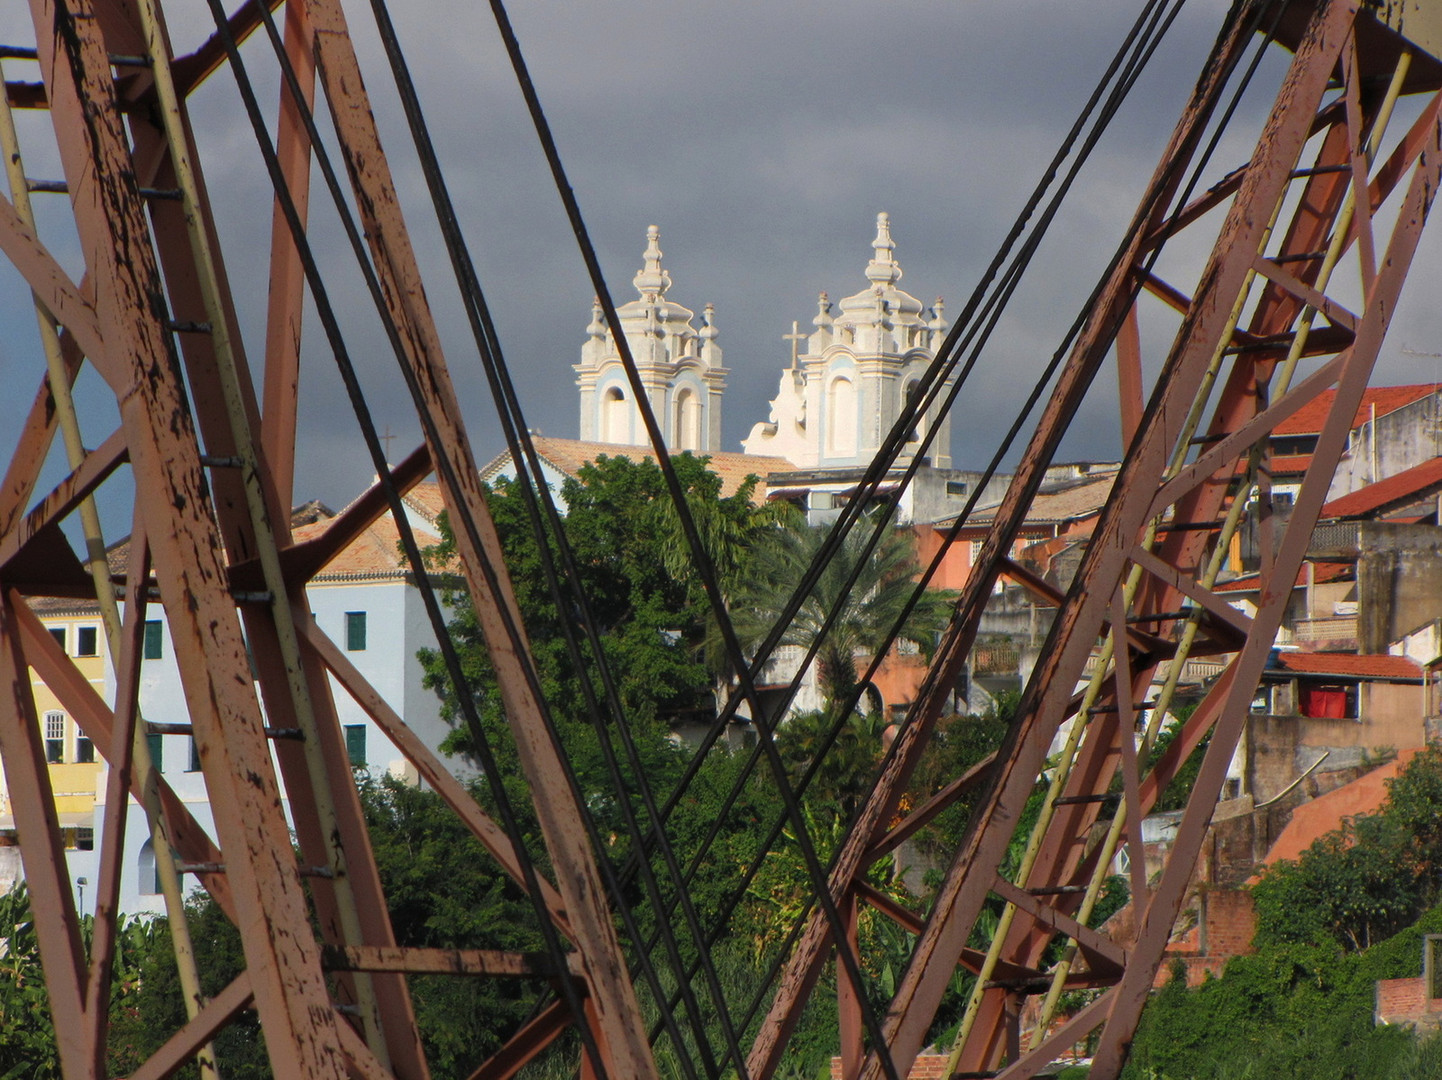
148,875
614,417
841,416
909,399
686,425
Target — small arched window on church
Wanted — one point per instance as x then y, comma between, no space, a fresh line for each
146,871
686,424
614,417
841,416
910,399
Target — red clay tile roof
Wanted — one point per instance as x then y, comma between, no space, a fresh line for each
1075,502
1279,465
425,499
1309,418
1396,492
1323,573
1362,666
375,553
1288,464
568,455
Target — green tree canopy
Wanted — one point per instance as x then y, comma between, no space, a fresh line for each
647,602
884,583
1370,877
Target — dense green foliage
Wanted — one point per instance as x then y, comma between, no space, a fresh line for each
145,1002
1293,1010
1370,878
650,615
1352,910
885,580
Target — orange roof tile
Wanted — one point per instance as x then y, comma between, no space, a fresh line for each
1323,573
1075,502
1309,418
1279,465
1396,492
374,553
568,455
1312,820
1356,665
425,499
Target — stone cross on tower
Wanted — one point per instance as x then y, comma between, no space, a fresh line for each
796,337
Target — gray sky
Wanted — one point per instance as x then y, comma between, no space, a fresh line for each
762,138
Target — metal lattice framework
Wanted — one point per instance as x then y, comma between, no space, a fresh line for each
1325,199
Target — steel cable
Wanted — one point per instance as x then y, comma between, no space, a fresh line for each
523,452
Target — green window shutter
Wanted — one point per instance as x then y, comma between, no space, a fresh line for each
153,640
155,744
355,743
355,631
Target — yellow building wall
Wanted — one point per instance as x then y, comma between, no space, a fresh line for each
72,781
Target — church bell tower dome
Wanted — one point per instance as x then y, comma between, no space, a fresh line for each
679,364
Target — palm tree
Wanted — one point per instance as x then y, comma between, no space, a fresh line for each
782,557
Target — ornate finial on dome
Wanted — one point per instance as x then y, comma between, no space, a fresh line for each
597,327
938,316
883,269
652,282
825,325
710,351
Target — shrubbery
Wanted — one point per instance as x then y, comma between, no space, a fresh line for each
1352,910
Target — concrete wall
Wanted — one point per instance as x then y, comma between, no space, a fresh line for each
1390,717
1399,581
1400,440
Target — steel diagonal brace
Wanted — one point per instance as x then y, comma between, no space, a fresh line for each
810,954
70,492
172,493
1224,453
1219,610
185,1043
491,835
1078,625
53,287
78,697
57,928
613,1003
1248,665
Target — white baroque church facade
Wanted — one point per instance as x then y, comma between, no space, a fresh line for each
846,385
841,396
679,363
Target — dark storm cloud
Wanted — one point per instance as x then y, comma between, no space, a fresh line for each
762,138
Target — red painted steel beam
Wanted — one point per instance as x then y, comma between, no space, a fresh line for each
812,951
182,1047
461,801
619,1030
1105,565
52,900
291,996
526,1045
281,391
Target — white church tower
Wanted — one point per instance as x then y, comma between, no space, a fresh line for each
843,393
679,363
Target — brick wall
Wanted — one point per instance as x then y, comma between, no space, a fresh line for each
1399,999
1230,922
927,1067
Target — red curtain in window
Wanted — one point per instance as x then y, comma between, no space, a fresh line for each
1324,702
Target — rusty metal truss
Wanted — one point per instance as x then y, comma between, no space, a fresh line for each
1317,230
